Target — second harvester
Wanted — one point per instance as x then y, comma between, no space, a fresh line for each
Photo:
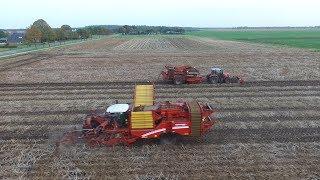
190,75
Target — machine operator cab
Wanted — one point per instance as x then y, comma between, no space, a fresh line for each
216,70
119,114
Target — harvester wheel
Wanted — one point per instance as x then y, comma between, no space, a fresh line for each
196,119
178,80
167,139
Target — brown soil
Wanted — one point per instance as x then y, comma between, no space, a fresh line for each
264,130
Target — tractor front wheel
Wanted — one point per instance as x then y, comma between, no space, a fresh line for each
178,80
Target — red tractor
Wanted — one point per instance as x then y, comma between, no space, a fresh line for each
125,124
190,75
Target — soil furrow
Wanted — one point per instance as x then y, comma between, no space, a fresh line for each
107,84
102,90
216,136
129,96
274,118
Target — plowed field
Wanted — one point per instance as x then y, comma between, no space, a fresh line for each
267,128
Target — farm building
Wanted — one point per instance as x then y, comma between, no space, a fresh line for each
16,38
3,41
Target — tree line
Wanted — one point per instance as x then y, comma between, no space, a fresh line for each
145,30
40,31
3,34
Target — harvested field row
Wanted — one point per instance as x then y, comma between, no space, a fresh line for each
285,131
160,84
222,102
7,65
188,44
146,44
102,96
266,115
225,110
253,63
227,158
218,103
159,89
265,129
91,47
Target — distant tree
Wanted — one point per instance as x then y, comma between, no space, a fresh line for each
121,30
64,33
98,30
83,33
66,27
137,30
127,29
103,31
33,35
59,34
3,34
48,34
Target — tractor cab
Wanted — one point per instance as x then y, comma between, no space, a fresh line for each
118,113
217,71
216,76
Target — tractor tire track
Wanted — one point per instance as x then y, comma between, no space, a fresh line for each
121,90
158,84
265,135
276,118
121,97
23,62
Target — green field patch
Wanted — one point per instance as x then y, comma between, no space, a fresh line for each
309,39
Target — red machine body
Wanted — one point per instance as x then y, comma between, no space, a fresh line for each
182,75
190,75
168,118
125,124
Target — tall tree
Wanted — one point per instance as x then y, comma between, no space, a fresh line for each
33,35
47,32
64,33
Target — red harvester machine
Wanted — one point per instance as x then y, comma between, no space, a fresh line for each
125,124
190,75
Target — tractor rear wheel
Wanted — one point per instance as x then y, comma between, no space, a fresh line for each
213,80
178,80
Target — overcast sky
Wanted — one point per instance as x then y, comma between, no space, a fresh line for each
196,13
